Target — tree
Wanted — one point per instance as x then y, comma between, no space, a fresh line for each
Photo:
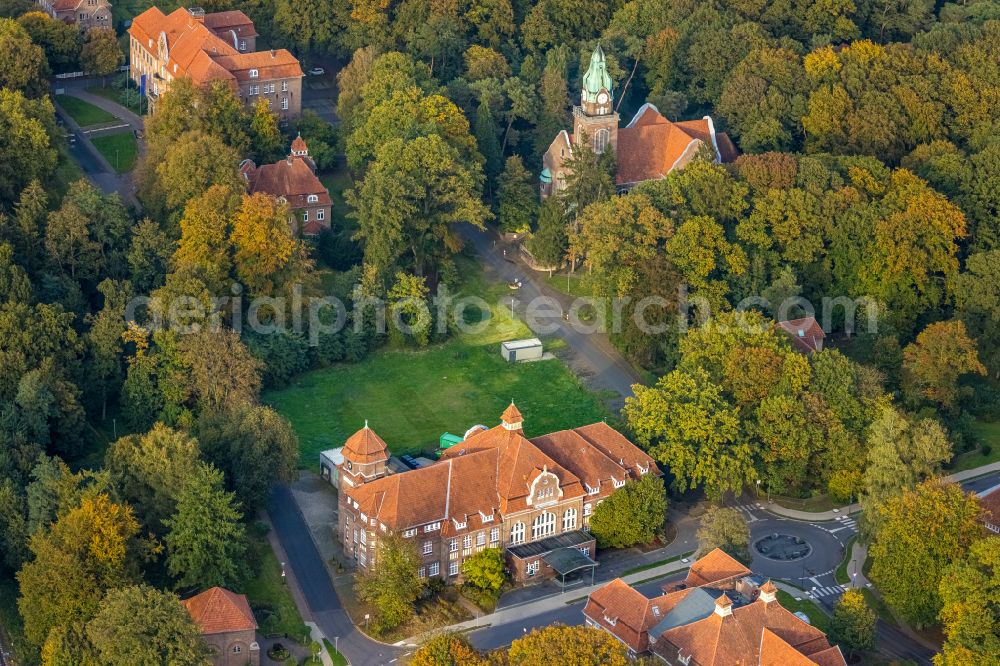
902,452
486,570
581,645
265,137
934,363
148,256
141,625
255,447
14,283
205,539
191,165
853,624
321,137
221,370
448,649
977,303
101,54
518,197
104,341
204,248
634,514
486,141
23,68
59,40
589,177
149,470
723,527
309,25
267,257
83,554
409,200
26,126
32,334
685,423
970,594
909,564
548,242
410,312
392,583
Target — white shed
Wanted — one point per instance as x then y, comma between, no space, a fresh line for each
329,465
529,349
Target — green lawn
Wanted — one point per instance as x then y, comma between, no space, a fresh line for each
842,575
127,97
989,435
411,397
816,616
67,172
878,605
337,181
338,659
571,285
269,595
84,113
120,150
653,565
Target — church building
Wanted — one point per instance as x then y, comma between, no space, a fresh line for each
647,148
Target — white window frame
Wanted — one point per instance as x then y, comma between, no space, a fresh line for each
569,519
453,546
517,533
434,569
313,198
543,525
480,539
254,90
428,547
284,103
321,215
453,569
254,74
284,86
495,535
305,216
467,542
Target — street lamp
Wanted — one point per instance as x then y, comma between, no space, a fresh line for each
758,488
282,572
366,621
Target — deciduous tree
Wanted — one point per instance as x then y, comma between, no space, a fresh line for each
486,570
853,624
633,515
582,645
23,68
970,594
392,583
723,527
934,363
101,54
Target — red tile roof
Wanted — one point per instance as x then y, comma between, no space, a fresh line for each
218,611
492,470
715,568
990,504
806,334
365,446
627,614
194,50
234,20
650,146
291,178
512,415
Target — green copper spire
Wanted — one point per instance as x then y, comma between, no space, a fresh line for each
597,77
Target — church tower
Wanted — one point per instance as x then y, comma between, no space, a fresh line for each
595,117
365,458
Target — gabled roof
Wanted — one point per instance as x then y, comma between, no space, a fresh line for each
625,612
715,568
291,178
651,146
806,334
365,446
234,20
989,501
218,611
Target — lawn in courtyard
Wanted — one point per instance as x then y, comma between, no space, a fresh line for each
988,451
410,397
122,92
817,617
267,591
84,113
120,150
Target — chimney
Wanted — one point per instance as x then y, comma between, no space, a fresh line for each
768,592
723,606
197,13
274,54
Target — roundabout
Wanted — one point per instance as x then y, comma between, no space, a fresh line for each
793,551
782,547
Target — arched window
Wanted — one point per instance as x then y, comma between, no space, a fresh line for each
569,520
601,139
517,533
543,525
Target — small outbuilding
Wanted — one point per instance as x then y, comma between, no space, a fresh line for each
529,349
329,465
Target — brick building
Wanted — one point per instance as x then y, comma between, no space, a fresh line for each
86,14
294,181
208,48
720,615
227,626
496,489
649,147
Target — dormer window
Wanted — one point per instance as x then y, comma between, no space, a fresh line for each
611,620
254,73
591,490
459,525
618,484
486,518
313,198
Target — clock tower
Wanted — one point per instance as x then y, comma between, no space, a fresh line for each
595,117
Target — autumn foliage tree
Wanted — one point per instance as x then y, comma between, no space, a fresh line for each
970,594
581,645
392,584
909,563
634,514
448,649
936,361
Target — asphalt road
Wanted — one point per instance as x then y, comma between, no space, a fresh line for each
314,580
601,364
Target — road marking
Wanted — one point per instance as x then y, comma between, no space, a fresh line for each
106,129
828,591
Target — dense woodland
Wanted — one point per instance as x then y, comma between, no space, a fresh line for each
870,169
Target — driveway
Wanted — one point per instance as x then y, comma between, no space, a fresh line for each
594,358
310,572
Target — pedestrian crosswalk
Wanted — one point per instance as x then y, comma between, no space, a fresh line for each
747,509
828,591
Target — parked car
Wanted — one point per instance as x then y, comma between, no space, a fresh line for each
317,71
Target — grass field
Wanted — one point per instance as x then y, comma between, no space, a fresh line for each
989,435
842,575
817,617
268,591
571,285
411,397
127,97
84,113
337,181
120,150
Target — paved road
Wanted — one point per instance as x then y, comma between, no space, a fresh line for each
307,566
600,364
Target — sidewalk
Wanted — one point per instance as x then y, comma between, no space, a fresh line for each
553,602
814,516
